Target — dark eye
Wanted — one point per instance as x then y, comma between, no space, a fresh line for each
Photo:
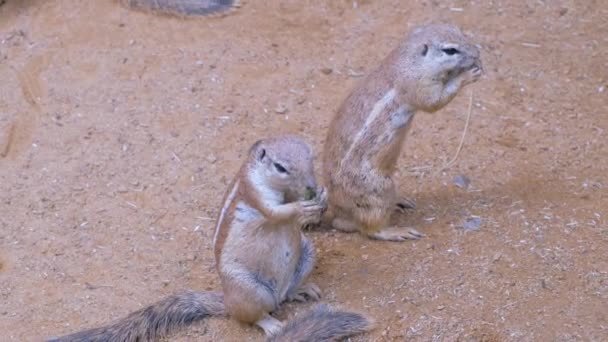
280,168
425,49
450,51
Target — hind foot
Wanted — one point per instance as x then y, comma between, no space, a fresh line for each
396,234
305,292
405,203
270,325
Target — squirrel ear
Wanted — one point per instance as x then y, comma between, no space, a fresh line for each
258,150
425,49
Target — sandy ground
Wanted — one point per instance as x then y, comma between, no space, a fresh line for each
120,130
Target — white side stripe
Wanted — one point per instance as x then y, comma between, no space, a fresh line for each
227,204
378,108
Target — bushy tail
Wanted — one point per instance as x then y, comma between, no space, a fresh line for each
183,7
155,321
323,324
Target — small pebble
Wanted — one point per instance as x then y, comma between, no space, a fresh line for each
327,71
461,181
353,73
472,223
496,257
281,109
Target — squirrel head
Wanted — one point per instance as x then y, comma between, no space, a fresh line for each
284,164
438,51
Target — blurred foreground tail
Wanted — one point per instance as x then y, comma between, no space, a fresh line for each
323,325
155,321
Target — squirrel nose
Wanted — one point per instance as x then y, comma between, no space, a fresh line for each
311,184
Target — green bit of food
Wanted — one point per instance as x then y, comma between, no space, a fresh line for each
310,194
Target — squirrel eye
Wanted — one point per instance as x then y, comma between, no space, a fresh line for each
280,168
425,49
450,51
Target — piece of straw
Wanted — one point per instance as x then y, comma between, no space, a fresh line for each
464,133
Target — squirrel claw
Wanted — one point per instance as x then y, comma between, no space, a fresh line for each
473,74
308,291
405,203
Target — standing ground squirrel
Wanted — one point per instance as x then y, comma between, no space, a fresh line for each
183,8
366,136
261,255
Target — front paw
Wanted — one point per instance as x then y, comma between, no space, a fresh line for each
322,198
473,74
311,211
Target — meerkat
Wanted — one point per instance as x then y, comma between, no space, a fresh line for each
366,136
261,255
183,8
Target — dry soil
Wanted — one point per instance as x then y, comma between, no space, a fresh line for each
119,131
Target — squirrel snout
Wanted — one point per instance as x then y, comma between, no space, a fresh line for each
310,183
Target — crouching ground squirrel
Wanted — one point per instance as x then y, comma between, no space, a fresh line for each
261,255
366,136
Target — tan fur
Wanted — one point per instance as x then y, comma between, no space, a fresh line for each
365,138
261,255
260,235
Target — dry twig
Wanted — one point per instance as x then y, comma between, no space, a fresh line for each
464,133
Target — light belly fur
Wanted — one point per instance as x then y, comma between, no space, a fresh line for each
276,249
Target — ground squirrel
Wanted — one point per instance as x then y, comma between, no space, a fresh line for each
261,255
183,8
366,136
